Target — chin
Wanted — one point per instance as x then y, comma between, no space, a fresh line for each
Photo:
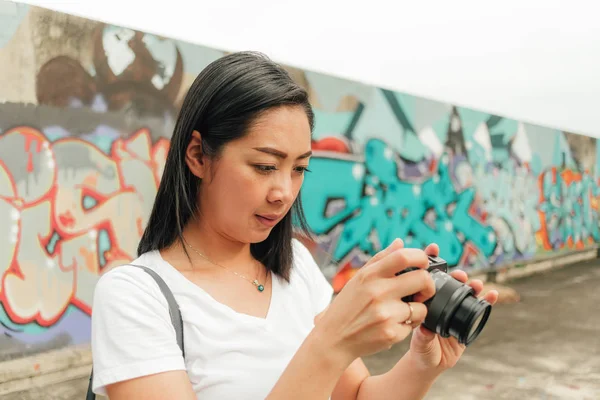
257,236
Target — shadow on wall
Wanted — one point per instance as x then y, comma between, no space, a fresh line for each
79,171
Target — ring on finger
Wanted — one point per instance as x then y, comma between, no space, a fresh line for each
409,319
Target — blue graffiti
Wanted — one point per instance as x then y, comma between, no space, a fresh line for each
377,206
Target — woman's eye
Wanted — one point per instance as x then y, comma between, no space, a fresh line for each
265,168
302,170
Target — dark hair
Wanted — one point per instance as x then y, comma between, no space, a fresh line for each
221,104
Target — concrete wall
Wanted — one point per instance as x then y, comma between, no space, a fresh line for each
86,111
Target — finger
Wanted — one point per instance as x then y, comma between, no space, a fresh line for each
397,244
389,333
415,314
400,312
460,276
491,297
417,282
477,286
402,332
399,260
432,250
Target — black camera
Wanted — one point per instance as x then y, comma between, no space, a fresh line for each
453,310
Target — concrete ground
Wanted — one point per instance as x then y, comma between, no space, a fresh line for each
547,346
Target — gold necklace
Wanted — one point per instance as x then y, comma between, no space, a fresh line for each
255,282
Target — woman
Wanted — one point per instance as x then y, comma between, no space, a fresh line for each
220,235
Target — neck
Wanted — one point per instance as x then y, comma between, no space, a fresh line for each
214,245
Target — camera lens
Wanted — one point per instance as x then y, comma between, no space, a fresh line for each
470,318
454,310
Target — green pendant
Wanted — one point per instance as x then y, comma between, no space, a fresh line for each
261,288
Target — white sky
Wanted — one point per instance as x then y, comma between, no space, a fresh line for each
533,60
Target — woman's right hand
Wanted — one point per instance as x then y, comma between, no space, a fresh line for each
368,315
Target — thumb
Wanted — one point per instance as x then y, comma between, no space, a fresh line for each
422,339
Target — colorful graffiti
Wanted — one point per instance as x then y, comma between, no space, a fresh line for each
58,200
130,70
378,206
474,185
78,170
568,209
85,120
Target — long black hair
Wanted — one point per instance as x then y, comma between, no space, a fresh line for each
221,104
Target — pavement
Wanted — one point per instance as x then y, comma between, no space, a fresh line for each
541,342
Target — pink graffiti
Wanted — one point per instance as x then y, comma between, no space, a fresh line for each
47,198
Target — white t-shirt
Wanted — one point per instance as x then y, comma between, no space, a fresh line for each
228,355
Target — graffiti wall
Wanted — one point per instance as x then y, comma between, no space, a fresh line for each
86,112
488,190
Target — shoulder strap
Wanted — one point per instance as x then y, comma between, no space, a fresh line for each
174,312
173,306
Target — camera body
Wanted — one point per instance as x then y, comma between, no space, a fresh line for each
453,310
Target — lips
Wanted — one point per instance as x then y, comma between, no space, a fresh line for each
269,220
272,217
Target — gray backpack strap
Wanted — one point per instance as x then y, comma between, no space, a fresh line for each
174,312
173,306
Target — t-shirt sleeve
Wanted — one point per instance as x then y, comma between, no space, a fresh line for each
321,289
132,333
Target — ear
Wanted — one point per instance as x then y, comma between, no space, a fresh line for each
194,157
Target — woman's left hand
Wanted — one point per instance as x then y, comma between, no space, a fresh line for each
432,352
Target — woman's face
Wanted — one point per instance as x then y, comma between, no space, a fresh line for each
252,185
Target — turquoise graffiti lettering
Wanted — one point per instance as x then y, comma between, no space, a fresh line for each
372,206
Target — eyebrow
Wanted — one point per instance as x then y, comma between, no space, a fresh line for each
281,154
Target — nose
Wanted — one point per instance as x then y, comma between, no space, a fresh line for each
282,190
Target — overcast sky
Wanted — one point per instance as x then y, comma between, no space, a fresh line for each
533,60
